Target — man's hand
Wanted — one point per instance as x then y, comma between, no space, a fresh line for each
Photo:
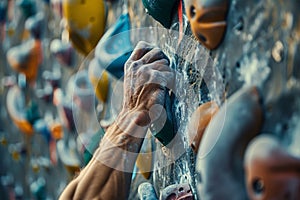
108,174
147,76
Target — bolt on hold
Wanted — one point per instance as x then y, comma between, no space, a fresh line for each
278,51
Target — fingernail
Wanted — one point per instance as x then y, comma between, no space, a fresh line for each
166,61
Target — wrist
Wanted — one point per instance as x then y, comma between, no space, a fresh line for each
122,141
130,127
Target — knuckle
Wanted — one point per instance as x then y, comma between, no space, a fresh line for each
135,64
157,51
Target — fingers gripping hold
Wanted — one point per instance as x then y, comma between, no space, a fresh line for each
144,53
147,75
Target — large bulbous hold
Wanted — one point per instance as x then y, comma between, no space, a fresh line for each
271,171
223,145
160,10
86,22
208,20
26,59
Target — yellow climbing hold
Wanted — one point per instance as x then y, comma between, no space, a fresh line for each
85,23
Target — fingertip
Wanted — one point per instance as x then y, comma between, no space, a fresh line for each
167,58
166,61
140,50
142,45
162,61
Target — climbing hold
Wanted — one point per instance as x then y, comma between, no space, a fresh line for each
271,171
53,152
38,188
17,151
16,109
3,11
56,131
163,127
64,109
224,143
199,121
18,192
32,112
34,165
160,10
41,127
278,51
177,192
68,117
208,20
68,155
146,192
28,7
22,82
3,140
26,59
83,93
8,81
52,78
85,23
63,52
7,180
100,80
46,93
35,25
56,6
92,146
114,48
144,159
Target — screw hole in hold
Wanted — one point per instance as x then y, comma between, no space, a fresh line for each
92,19
258,186
172,197
192,11
181,189
240,24
238,65
82,1
189,191
202,38
193,146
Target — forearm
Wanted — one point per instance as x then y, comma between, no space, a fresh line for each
108,175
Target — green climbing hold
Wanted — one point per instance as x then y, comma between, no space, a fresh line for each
163,127
160,10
